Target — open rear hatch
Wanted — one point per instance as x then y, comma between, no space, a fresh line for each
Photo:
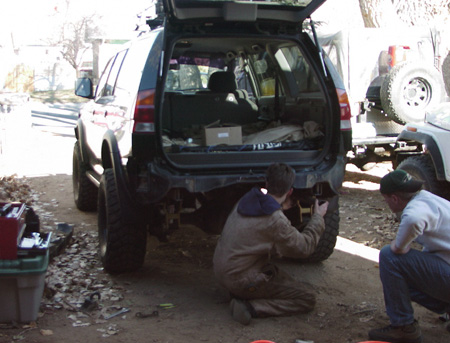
247,98
226,10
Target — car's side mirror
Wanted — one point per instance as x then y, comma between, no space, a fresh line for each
84,88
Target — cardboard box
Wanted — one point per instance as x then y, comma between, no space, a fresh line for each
224,134
21,287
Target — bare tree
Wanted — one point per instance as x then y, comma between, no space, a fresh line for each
384,13
74,33
75,38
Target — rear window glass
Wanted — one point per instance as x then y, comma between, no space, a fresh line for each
188,73
265,73
295,69
297,65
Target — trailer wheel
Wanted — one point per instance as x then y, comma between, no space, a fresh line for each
122,244
408,90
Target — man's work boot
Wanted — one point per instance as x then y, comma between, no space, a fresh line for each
398,334
240,312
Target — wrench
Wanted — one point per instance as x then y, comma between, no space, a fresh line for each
122,311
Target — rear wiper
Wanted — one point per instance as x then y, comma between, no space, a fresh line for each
316,41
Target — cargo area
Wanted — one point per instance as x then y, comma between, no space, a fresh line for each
241,95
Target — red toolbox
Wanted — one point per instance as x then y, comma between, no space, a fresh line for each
12,227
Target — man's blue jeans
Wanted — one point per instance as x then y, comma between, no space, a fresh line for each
415,276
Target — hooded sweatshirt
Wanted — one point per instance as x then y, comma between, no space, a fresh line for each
255,230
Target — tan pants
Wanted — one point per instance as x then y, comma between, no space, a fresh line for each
281,295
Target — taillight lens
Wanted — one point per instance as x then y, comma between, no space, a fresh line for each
144,112
344,105
397,54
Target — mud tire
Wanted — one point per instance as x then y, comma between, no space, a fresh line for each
421,167
328,240
122,246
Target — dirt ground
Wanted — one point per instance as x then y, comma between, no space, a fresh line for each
178,274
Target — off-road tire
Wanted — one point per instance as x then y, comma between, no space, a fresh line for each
421,167
328,239
409,89
122,245
84,191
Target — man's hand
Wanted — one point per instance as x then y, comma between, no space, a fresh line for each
397,250
321,209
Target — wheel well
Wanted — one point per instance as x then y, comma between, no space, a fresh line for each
431,148
80,136
106,156
436,159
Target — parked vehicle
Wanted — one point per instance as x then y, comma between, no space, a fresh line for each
428,157
392,77
187,118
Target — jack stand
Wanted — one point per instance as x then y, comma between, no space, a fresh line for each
306,210
172,213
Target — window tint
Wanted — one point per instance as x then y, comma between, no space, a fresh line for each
243,78
300,69
102,82
109,87
265,73
187,73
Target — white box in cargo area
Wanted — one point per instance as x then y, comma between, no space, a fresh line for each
224,134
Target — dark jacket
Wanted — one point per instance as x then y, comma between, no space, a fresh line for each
255,230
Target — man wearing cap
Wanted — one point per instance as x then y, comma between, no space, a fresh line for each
408,274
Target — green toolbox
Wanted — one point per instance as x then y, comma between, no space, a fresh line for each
21,287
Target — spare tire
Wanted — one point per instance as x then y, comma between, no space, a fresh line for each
409,89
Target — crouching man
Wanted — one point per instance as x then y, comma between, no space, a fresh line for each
408,274
255,230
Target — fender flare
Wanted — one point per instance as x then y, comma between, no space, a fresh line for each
81,138
111,158
432,149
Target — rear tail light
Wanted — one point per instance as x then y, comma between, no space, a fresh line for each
144,112
344,105
397,54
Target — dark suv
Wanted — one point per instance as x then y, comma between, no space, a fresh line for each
187,118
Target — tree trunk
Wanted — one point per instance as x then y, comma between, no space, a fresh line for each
378,13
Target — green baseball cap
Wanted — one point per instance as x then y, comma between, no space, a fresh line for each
399,181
